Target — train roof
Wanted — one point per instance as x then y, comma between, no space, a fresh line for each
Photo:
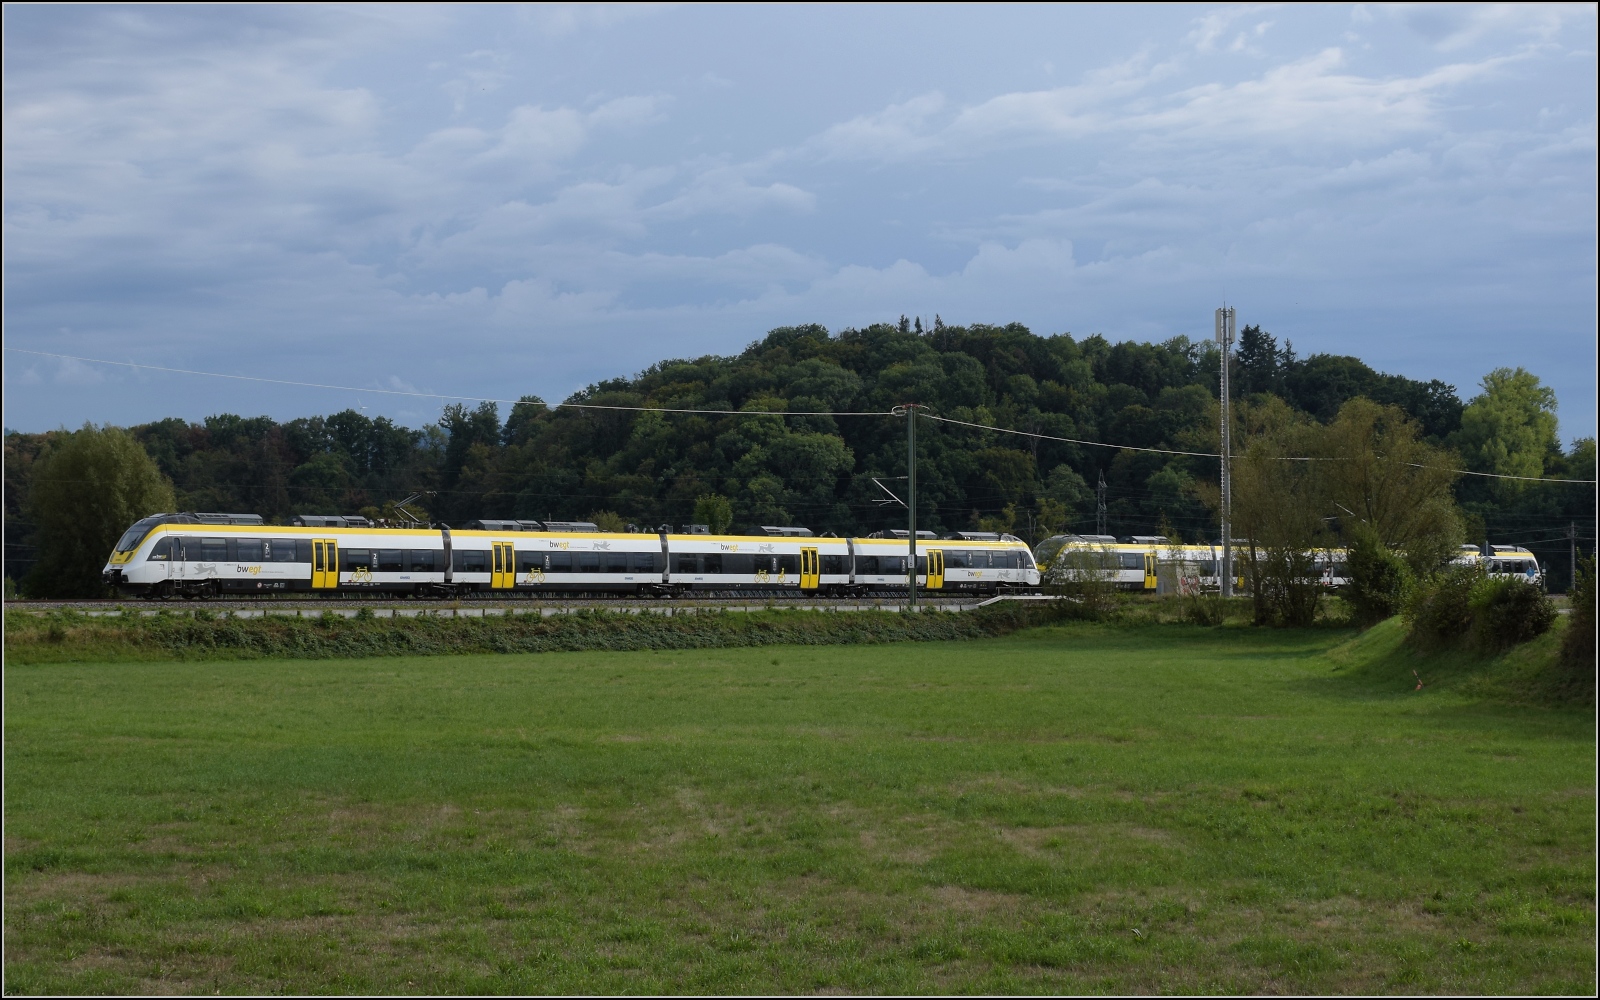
370,529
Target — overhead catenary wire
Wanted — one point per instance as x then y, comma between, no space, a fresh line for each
721,412
1213,454
1067,440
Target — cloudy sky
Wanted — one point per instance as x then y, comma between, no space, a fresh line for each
491,201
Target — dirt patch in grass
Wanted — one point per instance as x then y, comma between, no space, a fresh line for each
1097,840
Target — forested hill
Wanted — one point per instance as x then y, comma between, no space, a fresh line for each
818,471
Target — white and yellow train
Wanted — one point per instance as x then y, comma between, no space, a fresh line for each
205,555
1503,560
1154,563
1144,562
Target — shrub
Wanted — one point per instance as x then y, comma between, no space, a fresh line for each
1284,586
1204,607
1085,578
1507,612
1438,612
1577,645
1379,579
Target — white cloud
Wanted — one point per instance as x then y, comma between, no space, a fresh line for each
727,190
1211,26
1306,100
898,131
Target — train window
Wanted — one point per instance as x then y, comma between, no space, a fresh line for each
248,550
922,565
955,559
789,564
616,562
421,560
471,560
1132,560
1025,560
211,550
391,561
302,550
713,563
355,558
979,559
527,562
278,550
833,565
588,562
645,562
686,563
560,562
867,565
133,536
161,551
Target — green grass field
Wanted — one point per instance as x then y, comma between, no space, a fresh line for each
1065,809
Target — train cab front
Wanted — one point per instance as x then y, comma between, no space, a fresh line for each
120,579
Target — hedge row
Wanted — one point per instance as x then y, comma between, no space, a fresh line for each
67,637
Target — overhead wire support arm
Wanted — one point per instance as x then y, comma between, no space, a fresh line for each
892,498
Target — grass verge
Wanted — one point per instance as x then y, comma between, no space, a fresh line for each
69,637
1529,674
1066,809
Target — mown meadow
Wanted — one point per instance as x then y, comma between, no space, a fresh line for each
1069,808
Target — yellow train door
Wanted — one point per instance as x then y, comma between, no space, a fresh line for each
810,569
324,564
936,569
503,574
1149,571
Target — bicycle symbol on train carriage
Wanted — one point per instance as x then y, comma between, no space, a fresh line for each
533,576
361,574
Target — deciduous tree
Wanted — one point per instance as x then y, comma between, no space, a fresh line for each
87,489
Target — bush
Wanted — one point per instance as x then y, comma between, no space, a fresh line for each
1463,607
1204,607
1577,645
1438,612
1507,612
1086,581
1379,579
1284,586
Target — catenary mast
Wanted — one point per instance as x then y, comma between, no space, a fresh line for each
911,505
1224,334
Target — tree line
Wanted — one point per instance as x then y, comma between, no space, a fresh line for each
815,467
